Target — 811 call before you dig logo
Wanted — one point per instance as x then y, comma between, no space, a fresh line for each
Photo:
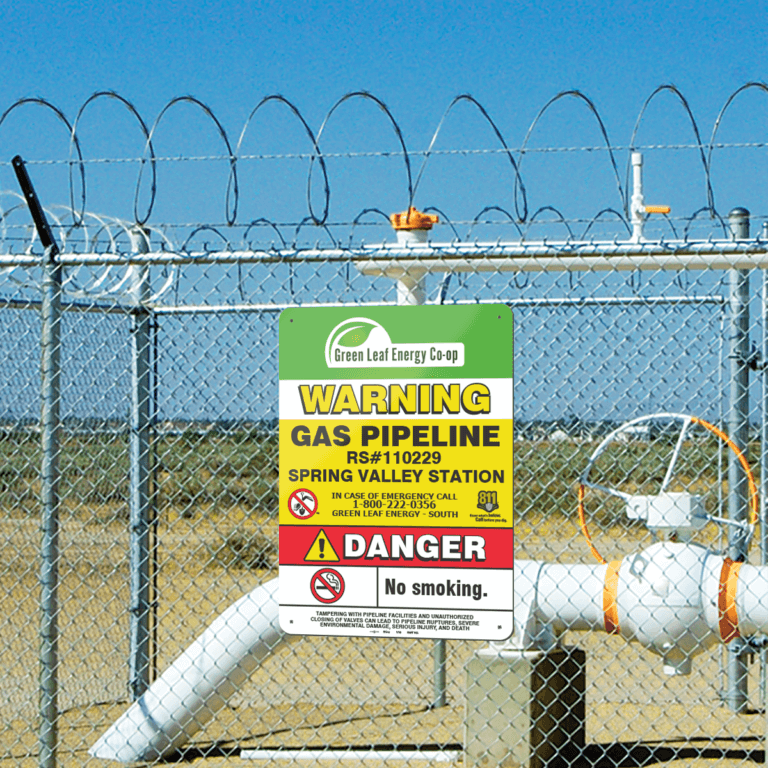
398,422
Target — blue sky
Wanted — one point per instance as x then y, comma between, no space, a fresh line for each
416,57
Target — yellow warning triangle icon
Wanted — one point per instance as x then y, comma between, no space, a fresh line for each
321,550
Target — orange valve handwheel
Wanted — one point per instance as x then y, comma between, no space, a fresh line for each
584,482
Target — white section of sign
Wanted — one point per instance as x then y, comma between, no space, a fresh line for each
446,588
327,396
359,342
442,609
296,585
382,622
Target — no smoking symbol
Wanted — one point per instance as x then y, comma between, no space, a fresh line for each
327,585
302,503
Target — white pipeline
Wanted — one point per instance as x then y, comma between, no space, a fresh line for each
198,683
675,599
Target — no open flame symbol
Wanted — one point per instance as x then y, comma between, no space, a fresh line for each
302,503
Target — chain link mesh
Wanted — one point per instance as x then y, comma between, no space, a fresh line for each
592,350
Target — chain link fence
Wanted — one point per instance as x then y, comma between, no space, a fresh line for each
166,506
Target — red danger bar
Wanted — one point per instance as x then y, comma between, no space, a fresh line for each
418,547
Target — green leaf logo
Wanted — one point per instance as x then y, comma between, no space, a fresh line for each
350,333
355,335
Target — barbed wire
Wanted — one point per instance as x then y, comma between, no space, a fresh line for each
265,223
23,233
237,237
318,211
107,246
395,154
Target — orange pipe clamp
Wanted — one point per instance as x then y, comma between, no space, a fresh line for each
726,600
610,601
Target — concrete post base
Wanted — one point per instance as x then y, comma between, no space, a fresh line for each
525,709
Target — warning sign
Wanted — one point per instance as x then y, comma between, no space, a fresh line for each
396,466
302,503
320,549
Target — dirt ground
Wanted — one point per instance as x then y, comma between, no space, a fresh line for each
320,693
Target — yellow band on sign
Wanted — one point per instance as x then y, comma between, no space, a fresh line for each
415,472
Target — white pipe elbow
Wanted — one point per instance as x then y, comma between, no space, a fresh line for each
198,683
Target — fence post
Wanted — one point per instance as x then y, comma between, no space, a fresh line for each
738,430
764,461
411,291
50,440
140,472
50,474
